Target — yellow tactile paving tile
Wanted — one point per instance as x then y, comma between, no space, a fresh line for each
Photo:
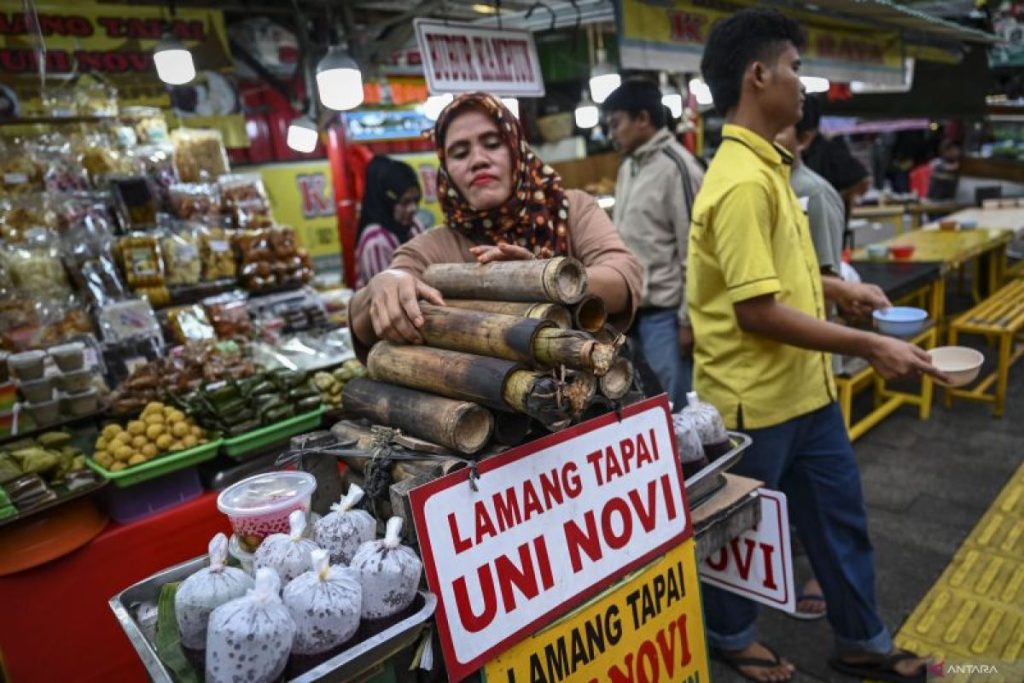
972,619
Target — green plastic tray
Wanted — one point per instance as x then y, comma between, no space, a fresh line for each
156,467
257,439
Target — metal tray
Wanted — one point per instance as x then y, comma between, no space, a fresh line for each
349,665
63,496
705,483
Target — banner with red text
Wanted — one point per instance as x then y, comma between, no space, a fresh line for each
547,525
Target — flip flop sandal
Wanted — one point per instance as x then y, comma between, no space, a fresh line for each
736,663
882,669
809,616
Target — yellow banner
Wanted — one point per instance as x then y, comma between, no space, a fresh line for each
670,35
425,164
302,196
649,627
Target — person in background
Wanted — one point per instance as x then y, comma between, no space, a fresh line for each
387,218
500,203
757,304
654,193
945,172
831,158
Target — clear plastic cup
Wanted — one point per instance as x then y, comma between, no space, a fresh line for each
260,505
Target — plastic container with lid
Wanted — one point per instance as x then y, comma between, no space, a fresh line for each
73,382
69,357
37,390
28,365
82,403
45,413
259,506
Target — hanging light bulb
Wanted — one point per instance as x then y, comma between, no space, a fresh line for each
339,80
435,103
173,61
587,113
815,84
702,92
302,135
604,78
512,104
670,96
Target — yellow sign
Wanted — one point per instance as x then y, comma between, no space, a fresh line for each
670,35
425,164
302,196
649,627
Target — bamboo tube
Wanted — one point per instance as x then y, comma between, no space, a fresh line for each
511,429
555,313
459,425
598,406
433,466
609,335
484,334
590,314
573,349
492,382
559,280
580,391
616,383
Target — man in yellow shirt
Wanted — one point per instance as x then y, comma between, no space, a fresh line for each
757,304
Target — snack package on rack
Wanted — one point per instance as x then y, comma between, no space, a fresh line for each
61,172
325,604
196,202
20,171
156,163
229,315
142,261
135,201
73,208
249,638
344,528
88,253
190,324
94,96
709,426
125,320
688,445
199,155
36,268
217,255
149,124
245,201
180,249
206,590
25,212
287,554
389,573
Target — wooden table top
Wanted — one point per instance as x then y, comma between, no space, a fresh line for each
951,247
1011,219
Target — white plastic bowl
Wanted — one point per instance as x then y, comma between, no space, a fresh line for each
959,363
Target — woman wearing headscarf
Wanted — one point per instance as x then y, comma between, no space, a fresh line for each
500,202
388,215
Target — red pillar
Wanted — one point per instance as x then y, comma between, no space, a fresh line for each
344,199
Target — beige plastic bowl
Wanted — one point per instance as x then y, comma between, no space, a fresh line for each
959,363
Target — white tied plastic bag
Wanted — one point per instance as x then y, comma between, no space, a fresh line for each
325,604
389,573
287,554
204,591
709,425
344,529
250,637
691,452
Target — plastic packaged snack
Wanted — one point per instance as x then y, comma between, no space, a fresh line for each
22,213
142,261
217,255
287,554
688,445
344,529
189,323
229,315
325,605
709,426
94,97
149,124
196,202
135,201
389,573
206,590
88,253
249,638
156,163
180,249
36,268
199,155
20,172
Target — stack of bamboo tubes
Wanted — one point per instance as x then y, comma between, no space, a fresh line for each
518,343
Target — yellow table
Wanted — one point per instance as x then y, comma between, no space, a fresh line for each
892,212
1010,219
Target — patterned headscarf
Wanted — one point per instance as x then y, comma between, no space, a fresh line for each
536,214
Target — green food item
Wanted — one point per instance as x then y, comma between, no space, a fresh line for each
220,393
54,439
278,414
268,401
344,374
242,428
36,460
241,415
264,388
287,379
168,640
323,381
9,469
231,407
307,405
300,394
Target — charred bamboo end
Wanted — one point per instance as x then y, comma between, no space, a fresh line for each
616,382
590,314
559,315
473,427
579,391
603,357
565,280
536,395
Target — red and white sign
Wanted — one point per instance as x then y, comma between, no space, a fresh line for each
463,58
758,564
551,523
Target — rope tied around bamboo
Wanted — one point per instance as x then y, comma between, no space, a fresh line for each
559,280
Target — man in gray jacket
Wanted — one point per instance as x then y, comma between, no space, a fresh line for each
657,182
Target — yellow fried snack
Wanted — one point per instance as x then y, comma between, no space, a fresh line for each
179,429
154,419
110,431
153,432
189,441
150,450
118,466
123,453
137,459
164,441
136,427
139,441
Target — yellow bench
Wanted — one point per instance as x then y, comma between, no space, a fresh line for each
886,400
1001,316
1016,270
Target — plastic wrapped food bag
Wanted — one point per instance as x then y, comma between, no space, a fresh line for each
688,445
343,530
325,604
250,637
709,426
206,590
389,573
287,554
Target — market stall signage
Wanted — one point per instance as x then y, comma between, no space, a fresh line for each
648,628
547,525
464,57
108,39
670,35
758,564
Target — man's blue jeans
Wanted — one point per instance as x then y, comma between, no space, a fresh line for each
811,460
657,332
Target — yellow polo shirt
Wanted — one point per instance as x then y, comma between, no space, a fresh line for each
750,237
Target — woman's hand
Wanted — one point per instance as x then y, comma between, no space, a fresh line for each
501,252
394,305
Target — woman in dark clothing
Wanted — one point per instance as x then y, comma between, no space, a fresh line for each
388,215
